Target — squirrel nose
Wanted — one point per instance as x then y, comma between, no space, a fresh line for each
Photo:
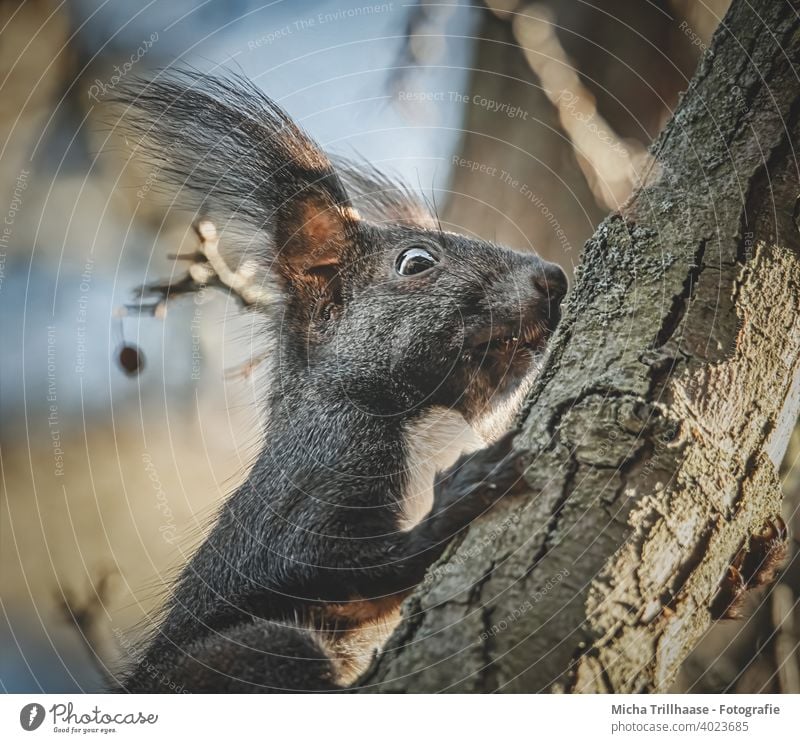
551,281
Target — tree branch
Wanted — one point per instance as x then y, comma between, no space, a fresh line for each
208,268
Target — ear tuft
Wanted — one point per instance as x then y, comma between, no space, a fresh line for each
238,157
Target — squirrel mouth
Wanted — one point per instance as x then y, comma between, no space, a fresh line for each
505,342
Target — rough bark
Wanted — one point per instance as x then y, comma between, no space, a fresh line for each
660,418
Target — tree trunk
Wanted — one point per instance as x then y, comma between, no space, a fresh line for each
658,423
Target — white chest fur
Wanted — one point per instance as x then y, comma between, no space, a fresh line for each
434,442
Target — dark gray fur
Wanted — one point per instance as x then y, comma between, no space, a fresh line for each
358,354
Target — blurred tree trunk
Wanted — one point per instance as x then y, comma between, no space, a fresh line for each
551,209
632,60
658,424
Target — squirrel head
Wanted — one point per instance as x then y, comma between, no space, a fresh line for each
375,302
417,316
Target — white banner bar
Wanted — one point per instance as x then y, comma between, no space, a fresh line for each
345,718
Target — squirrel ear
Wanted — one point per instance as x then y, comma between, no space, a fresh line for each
313,239
236,154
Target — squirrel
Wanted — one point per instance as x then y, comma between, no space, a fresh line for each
400,354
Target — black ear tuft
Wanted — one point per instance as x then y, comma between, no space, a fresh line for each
237,156
381,198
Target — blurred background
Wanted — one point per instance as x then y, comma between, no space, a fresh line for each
524,122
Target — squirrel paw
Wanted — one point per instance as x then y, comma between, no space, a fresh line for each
755,565
478,480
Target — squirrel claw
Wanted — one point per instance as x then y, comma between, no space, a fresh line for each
754,566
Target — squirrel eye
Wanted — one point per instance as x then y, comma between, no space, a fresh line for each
413,261
328,312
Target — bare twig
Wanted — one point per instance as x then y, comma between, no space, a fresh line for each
243,371
208,268
88,617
